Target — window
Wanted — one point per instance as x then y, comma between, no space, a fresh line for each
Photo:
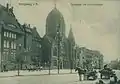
10,34
8,44
3,55
25,58
11,25
5,43
15,36
5,34
14,45
14,55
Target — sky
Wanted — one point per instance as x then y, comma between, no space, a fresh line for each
95,25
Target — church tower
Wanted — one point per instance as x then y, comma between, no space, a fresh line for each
54,22
71,50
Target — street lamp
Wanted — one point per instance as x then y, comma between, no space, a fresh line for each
45,65
58,42
18,57
2,32
51,54
71,58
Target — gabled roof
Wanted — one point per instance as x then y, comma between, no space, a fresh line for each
7,16
35,33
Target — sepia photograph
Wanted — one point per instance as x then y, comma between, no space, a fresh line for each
59,41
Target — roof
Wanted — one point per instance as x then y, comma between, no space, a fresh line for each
35,33
54,18
7,16
71,36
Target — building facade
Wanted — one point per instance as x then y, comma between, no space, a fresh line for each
89,59
11,36
53,39
17,40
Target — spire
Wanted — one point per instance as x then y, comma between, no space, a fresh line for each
71,36
55,3
9,2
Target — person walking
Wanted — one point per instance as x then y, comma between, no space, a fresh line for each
115,78
81,73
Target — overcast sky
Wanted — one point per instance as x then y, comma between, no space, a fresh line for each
95,26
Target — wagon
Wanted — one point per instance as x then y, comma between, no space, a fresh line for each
107,73
92,74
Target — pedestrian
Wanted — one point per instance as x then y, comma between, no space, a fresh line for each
112,80
118,82
81,73
4,67
115,78
26,67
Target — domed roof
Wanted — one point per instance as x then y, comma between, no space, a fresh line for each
55,12
54,19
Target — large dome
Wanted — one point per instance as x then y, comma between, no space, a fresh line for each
54,19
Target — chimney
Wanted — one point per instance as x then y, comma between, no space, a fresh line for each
7,6
34,28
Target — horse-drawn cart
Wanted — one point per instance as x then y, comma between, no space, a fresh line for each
92,74
107,73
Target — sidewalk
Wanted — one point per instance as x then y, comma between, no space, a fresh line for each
34,73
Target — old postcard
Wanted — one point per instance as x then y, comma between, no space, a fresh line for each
59,41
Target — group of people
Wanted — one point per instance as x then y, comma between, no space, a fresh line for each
114,79
33,68
82,76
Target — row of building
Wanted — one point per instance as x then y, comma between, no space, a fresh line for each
22,43
14,35
89,59
115,64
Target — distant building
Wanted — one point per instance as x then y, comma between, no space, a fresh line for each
90,59
32,46
36,47
115,64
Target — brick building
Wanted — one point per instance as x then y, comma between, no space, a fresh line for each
11,35
14,35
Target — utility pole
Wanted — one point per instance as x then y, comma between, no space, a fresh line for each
18,58
51,54
58,43
2,42
71,62
49,66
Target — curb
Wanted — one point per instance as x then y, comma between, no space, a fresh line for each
36,75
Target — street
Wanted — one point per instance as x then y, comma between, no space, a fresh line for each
49,79
46,79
